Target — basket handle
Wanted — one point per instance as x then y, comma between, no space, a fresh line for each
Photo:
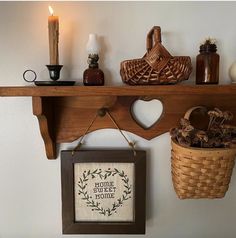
153,37
190,110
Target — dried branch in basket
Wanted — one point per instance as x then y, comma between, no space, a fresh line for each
217,135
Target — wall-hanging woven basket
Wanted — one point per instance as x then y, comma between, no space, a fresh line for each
157,66
201,172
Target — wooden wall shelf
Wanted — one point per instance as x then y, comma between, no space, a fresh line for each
64,113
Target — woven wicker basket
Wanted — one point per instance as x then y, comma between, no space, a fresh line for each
157,66
201,172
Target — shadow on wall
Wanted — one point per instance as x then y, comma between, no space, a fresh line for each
102,56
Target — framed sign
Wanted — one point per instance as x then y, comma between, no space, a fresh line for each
103,192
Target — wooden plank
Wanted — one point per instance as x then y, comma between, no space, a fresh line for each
55,91
64,113
72,121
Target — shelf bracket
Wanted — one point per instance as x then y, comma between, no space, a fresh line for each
43,110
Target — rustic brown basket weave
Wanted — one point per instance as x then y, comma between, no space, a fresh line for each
201,173
157,66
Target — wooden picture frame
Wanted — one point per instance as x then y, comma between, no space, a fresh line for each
103,192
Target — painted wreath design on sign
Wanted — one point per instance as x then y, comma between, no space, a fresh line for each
96,206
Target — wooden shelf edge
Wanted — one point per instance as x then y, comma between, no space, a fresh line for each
66,91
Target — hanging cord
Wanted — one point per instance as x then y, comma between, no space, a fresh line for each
102,112
131,144
81,139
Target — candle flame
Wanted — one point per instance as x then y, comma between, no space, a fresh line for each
50,10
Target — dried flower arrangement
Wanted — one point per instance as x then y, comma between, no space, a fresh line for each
217,135
208,41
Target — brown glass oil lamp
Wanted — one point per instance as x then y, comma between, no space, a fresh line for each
93,76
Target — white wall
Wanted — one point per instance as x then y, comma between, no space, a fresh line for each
30,193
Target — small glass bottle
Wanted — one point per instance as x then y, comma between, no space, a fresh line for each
93,76
207,64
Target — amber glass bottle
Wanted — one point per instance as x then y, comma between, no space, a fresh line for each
93,76
207,64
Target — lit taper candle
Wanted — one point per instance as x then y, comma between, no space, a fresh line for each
53,34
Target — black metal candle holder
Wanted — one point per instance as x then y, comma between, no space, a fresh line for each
54,71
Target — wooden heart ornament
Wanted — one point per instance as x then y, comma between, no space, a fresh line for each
98,185
147,112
